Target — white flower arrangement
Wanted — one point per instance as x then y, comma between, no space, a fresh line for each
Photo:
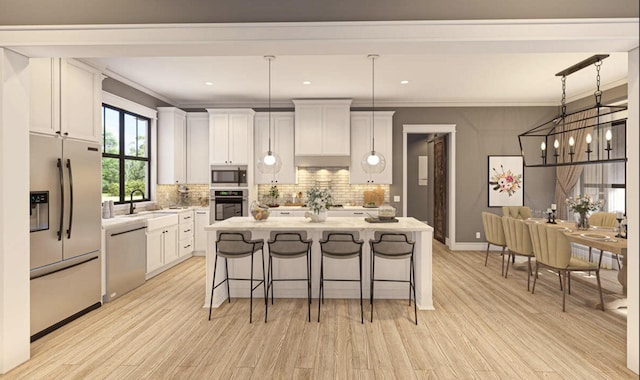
583,204
319,200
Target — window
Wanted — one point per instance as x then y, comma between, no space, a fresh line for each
607,181
125,155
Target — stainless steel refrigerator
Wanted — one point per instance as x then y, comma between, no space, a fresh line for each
65,231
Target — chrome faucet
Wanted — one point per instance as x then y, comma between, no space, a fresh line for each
131,206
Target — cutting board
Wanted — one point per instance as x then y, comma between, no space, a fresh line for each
376,196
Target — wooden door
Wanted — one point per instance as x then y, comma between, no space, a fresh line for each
440,188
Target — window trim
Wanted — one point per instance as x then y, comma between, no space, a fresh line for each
115,101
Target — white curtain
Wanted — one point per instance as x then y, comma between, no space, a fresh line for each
567,176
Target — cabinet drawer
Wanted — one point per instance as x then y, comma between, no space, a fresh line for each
185,217
185,230
186,246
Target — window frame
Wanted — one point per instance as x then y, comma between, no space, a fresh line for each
122,157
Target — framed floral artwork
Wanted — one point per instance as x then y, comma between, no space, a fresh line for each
506,181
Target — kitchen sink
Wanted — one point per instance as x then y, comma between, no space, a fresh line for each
154,219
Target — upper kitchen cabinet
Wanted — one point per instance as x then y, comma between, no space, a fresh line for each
361,144
281,143
172,146
230,136
322,127
198,148
65,98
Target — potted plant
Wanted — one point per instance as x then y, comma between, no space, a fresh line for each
274,194
318,201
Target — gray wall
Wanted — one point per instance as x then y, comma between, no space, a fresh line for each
480,132
25,12
420,197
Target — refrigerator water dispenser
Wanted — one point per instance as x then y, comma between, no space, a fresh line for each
39,211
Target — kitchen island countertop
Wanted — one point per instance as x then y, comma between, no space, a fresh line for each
421,233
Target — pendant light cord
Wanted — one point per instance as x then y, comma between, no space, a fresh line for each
269,58
373,100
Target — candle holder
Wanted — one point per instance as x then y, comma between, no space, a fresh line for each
619,227
555,154
608,149
571,153
553,217
544,158
588,151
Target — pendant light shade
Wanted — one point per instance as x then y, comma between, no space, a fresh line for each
269,162
373,162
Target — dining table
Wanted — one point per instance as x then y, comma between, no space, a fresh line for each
601,238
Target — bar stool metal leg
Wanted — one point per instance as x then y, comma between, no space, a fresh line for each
213,285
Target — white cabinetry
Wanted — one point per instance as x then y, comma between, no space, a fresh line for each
230,132
361,144
172,145
65,98
185,233
198,148
322,127
162,248
200,235
281,143
287,213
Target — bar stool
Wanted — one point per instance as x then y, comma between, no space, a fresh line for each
288,245
395,246
236,245
340,245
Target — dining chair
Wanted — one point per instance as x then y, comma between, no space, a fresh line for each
237,245
519,243
518,212
287,245
340,245
553,250
393,246
604,220
494,233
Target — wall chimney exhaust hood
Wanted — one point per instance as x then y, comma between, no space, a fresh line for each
323,161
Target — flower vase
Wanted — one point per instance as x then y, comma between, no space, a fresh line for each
316,217
582,221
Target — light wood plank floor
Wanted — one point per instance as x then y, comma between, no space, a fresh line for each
484,326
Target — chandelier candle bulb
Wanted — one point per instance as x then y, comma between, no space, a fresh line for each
571,143
588,151
543,149
553,207
608,136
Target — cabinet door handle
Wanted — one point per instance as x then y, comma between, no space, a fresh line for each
201,212
285,213
358,213
186,217
189,230
187,246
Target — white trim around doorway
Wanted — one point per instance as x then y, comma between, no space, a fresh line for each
451,176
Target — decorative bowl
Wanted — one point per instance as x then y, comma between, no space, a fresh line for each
259,212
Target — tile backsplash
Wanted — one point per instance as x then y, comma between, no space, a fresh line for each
336,179
169,196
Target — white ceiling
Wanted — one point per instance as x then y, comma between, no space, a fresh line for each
434,79
453,63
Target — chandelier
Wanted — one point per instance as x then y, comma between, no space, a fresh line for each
581,137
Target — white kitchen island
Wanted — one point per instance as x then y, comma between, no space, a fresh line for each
295,268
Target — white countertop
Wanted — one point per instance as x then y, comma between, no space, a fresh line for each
123,220
338,223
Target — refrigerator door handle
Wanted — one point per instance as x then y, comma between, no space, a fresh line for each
61,199
70,199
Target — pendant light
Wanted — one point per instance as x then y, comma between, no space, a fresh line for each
373,162
269,162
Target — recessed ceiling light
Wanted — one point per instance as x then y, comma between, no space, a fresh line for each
209,83
306,82
404,81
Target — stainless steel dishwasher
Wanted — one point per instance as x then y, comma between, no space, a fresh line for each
126,258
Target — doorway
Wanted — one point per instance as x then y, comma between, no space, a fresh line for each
447,201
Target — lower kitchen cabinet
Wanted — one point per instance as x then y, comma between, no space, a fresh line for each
185,234
162,247
199,234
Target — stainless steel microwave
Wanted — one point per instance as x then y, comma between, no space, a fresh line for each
229,176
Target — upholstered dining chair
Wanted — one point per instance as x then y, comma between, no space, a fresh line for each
517,212
516,233
494,233
553,250
606,220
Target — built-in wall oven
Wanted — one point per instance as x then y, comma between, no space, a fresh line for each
225,204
